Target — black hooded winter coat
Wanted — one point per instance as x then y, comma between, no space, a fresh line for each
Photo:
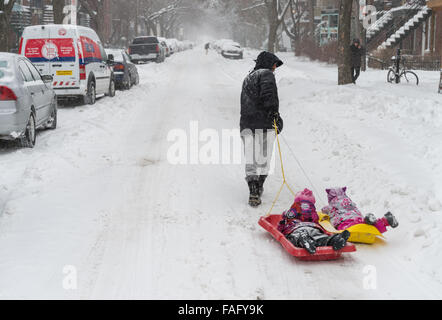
259,96
356,54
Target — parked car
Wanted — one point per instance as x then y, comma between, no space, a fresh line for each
27,101
232,50
188,45
73,56
170,46
163,42
219,44
145,49
181,46
173,44
125,72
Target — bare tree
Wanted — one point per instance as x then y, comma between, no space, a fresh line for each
344,67
160,17
96,11
275,16
124,22
298,26
5,23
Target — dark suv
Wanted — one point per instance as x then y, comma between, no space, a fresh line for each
147,49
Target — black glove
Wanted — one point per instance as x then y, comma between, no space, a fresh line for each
274,115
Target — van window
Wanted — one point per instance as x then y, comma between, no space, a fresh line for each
102,52
27,75
35,74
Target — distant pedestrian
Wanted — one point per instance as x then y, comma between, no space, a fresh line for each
357,51
207,46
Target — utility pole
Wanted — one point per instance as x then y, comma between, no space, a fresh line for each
74,12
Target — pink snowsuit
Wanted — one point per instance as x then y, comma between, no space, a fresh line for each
343,212
303,212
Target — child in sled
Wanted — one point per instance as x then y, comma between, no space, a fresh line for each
343,212
300,225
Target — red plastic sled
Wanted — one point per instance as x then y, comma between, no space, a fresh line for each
270,224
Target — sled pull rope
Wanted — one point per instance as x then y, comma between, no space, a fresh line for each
303,171
284,181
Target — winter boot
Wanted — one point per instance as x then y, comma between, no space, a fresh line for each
370,219
339,240
254,198
392,221
307,242
261,180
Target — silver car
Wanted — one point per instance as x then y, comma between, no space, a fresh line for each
27,101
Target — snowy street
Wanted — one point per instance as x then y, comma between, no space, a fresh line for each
97,199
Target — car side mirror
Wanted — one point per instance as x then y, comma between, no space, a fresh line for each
47,78
110,58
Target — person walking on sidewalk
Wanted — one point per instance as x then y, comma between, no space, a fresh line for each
259,109
357,51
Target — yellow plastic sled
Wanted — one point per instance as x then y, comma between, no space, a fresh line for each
360,233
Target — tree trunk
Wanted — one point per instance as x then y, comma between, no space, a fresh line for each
58,6
5,25
312,20
272,14
272,38
344,61
5,31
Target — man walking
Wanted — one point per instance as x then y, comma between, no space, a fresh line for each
357,51
259,109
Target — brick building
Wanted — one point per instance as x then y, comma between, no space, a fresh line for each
433,35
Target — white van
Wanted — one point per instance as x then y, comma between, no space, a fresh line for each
73,56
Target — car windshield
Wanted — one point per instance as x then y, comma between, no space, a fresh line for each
118,55
145,40
3,65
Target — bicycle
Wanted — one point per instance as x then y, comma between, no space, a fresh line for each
398,70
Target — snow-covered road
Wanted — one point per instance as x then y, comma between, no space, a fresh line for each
97,200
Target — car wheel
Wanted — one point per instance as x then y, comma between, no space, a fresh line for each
52,122
91,95
29,136
111,92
